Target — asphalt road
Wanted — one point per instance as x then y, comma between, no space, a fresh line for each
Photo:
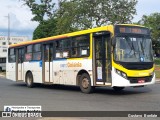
70,98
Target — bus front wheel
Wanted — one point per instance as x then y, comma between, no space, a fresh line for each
29,80
85,83
118,88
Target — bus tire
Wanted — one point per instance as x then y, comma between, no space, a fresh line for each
85,83
118,88
29,80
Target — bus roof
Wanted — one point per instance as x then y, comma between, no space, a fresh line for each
103,28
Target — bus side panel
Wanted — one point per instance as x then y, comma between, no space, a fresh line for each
58,68
11,71
65,71
36,68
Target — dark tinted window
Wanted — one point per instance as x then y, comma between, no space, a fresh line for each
11,51
12,56
29,49
37,48
20,55
63,48
37,56
2,60
73,47
80,46
28,54
37,52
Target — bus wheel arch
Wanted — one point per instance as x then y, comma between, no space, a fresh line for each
79,75
84,81
29,79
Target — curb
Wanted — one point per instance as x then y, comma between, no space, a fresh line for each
2,75
157,80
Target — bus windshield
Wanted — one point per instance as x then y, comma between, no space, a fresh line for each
133,49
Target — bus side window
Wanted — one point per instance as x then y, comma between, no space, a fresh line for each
28,54
74,52
66,48
37,52
62,48
80,46
84,46
58,46
20,55
12,56
51,53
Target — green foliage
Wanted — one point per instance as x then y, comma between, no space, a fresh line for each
73,15
40,10
153,22
83,14
45,29
157,61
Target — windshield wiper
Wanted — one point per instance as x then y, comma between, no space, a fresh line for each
132,46
142,47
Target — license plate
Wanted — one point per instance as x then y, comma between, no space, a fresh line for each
141,81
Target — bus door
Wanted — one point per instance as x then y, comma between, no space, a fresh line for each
19,61
102,58
47,63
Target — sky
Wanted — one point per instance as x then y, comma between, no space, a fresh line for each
20,16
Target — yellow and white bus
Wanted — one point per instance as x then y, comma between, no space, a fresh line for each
115,55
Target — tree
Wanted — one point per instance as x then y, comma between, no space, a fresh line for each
45,29
41,10
73,15
83,14
153,22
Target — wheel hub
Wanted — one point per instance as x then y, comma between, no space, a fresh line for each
85,83
29,81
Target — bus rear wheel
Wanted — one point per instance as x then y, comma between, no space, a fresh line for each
29,80
118,88
85,83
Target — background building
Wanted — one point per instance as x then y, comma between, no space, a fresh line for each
4,42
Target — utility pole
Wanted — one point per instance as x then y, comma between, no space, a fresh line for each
8,28
8,39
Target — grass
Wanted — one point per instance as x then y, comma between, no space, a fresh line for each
157,68
157,61
157,74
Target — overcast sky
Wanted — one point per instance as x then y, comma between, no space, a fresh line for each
20,16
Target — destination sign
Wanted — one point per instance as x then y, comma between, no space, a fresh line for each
131,29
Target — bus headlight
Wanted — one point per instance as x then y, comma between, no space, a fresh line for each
124,75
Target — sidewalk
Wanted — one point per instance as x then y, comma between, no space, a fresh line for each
158,80
2,74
